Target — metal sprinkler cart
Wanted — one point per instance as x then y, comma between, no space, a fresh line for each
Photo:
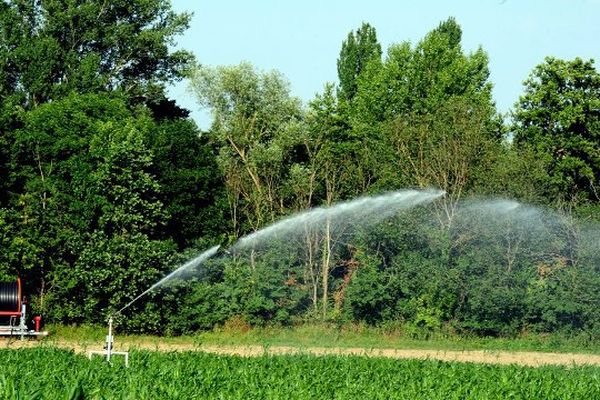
13,312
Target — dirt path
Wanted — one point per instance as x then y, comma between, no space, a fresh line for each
533,359
478,356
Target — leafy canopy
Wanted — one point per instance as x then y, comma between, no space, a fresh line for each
559,118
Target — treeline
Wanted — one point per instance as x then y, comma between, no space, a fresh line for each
107,184
104,180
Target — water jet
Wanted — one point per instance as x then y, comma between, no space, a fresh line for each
363,211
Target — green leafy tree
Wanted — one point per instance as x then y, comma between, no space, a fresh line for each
332,156
446,149
52,47
558,117
9,244
420,78
254,116
120,257
441,70
191,185
50,177
514,172
358,50
129,193
428,112
98,170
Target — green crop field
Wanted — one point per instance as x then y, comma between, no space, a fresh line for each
49,373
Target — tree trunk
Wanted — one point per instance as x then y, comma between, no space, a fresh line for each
326,266
312,275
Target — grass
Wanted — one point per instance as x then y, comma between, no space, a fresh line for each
365,337
50,373
304,336
86,335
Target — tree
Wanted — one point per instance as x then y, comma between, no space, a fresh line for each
440,70
422,117
99,171
332,155
50,48
358,50
253,118
559,118
120,256
515,172
50,185
87,188
428,111
445,149
7,257
418,79
191,185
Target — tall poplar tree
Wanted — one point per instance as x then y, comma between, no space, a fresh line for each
358,50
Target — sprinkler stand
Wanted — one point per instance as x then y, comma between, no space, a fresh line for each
109,340
108,347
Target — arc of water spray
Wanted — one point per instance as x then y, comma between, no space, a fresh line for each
192,263
374,207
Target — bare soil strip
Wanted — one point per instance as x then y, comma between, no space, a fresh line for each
533,359
526,358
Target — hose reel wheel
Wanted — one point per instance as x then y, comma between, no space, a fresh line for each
10,297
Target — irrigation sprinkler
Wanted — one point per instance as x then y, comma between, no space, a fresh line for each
108,346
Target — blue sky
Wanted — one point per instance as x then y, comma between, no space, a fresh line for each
302,39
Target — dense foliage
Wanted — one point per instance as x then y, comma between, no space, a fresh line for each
106,184
559,116
58,374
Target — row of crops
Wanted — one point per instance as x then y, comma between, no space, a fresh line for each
50,373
